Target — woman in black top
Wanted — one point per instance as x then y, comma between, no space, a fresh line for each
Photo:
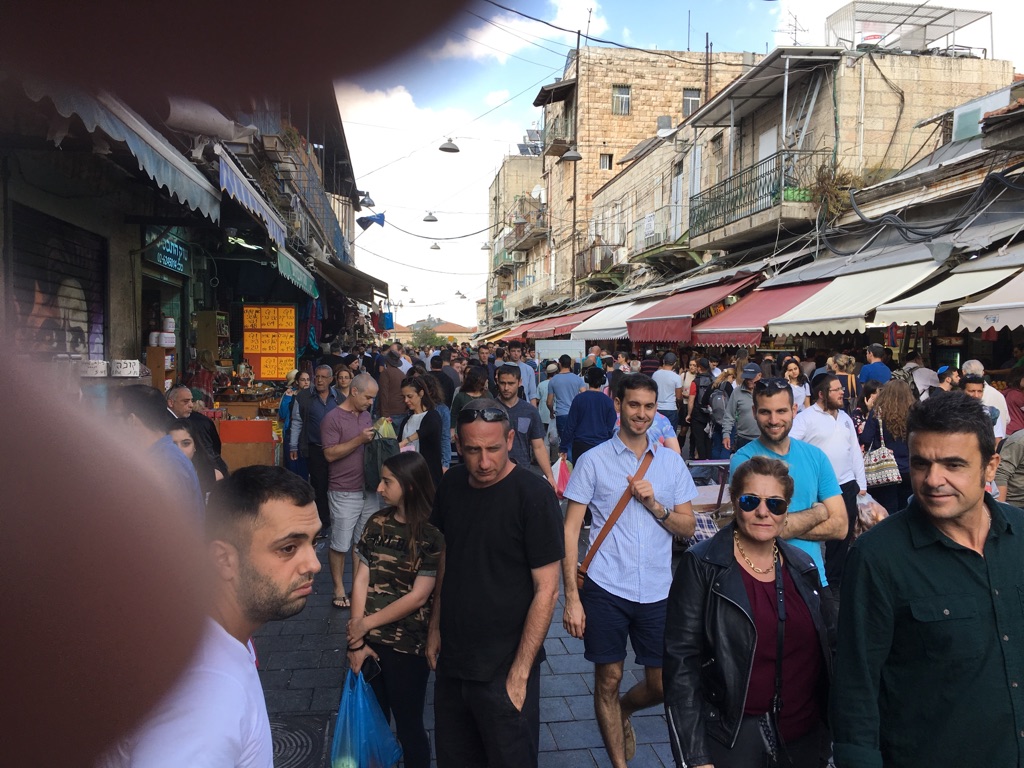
421,431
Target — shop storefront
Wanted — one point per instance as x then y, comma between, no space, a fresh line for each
58,281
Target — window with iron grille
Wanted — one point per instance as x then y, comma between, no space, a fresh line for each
620,99
691,101
606,162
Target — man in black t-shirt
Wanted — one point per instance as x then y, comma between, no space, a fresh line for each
496,591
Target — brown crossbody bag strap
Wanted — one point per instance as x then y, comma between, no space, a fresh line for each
581,570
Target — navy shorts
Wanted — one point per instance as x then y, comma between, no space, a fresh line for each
611,619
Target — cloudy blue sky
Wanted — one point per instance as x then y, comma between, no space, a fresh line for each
475,81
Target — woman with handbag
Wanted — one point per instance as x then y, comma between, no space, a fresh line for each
396,566
422,428
747,659
885,430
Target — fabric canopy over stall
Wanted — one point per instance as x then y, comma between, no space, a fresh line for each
610,322
920,308
841,305
352,282
519,332
296,274
489,336
561,325
1003,308
157,157
671,319
745,322
234,181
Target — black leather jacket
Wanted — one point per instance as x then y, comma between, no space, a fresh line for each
710,640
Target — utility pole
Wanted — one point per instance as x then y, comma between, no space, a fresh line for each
576,141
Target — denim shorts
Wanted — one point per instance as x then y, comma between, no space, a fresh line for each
611,619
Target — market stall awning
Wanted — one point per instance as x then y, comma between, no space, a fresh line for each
561,325
671,319
745,322
488,336
234,181
160,160
296,274
1003,308
610,322
519,331
841,305
351,282
920,308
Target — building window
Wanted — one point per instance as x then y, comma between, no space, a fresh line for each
606,162
691,101
620,99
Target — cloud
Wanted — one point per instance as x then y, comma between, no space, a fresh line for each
393,141
505,36
627,36
494,98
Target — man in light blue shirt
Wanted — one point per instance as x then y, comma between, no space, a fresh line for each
819,514
627,582
564,387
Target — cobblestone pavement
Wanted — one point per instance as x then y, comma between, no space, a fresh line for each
302,666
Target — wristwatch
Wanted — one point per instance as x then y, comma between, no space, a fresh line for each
664,517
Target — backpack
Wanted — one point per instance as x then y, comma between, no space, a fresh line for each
703,399
902,374
718,401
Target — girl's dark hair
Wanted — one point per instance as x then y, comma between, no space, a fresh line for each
766,467
867,389
413,475
595,377
475,379
801,378
419,383
436,392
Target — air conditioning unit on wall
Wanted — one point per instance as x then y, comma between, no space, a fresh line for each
518,257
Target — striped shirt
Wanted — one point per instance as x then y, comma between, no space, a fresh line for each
635,560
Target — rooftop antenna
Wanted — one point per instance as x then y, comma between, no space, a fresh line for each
792,28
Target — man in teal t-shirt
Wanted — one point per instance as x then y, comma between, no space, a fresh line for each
818,513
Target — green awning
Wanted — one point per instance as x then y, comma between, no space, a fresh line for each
295,273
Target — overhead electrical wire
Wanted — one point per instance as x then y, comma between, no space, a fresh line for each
615,43
422,269
509,31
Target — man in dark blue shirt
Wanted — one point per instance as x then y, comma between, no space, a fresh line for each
931,632
308,410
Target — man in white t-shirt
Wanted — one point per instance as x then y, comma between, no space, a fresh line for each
261,522
670,390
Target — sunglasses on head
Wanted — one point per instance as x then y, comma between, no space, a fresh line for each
771,385
468,415
749,502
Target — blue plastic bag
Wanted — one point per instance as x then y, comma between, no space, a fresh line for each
362,735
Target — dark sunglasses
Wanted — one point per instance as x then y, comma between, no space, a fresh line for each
468,415
771,385
749,502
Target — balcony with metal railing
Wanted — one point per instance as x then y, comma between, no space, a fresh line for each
757,200
559,134
657,229
529,225
526,292
502,261
497,307
601,266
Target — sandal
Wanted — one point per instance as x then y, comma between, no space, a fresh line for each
341,602
628,739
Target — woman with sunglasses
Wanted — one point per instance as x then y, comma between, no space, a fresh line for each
396,564
737,599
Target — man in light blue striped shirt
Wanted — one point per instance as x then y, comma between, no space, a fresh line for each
629,577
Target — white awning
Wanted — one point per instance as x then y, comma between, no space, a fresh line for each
920,308
1003,308
610,322
840,307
